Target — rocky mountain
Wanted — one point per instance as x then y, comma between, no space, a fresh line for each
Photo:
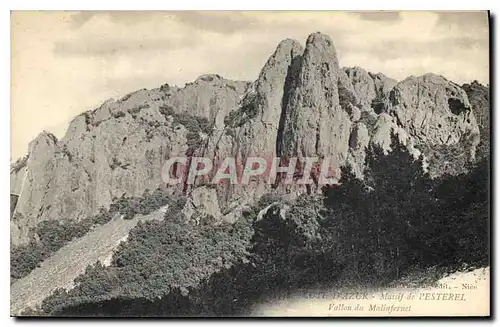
302,104
479,98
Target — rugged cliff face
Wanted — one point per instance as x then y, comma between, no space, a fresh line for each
433,110
117,149
302,104
315,122
267,95
479,98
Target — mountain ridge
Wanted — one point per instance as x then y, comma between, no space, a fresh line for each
119,147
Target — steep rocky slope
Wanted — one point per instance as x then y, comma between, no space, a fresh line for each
302,104
116,149
60,269
479,98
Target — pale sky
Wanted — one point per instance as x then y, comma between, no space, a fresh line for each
64,63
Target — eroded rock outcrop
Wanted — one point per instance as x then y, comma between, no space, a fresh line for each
316,124
433,110
117,149
302,104
371,89
382,84
267,97
363,84
17,175
479,98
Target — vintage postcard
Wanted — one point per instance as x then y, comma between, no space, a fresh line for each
250,164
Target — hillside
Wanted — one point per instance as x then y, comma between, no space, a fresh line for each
411,163
302,104
61,268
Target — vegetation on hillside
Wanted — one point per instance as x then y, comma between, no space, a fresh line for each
195,125
246,112
51,235
159,257
346,97
365,232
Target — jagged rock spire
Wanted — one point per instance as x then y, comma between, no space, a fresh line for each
316,124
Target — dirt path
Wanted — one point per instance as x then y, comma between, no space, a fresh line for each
60,269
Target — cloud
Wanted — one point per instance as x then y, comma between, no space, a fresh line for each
386,16
119,34
112,46
219,22
464,19
413,50
223,22
80,18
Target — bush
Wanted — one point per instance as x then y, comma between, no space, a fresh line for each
55,234
103,217
165,87
129,207
346,97
25,258
118,114
194,142
52,235
193,123
246,112
370,232
167,110
479,98
378,105
137,109
159,257
369,120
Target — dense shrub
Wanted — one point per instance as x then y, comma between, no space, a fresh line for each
102,217
246,112
194,124
25,258
54,234
378,104
159,256
129,207
118,114
167,110
135,110
369,120
165,87
346,97
399,218
447,159
367,232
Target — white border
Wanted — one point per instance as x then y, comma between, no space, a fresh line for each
184,5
